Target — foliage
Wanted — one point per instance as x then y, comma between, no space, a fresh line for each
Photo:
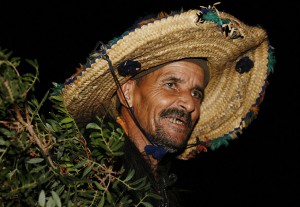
49,161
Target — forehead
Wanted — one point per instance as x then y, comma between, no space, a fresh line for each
180,69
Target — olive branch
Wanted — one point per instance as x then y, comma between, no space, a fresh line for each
46,160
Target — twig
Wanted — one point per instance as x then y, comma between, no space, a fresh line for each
32,133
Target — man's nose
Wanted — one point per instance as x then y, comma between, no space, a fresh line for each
186,101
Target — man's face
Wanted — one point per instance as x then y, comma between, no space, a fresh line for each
167,103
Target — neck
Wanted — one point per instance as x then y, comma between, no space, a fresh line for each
136,135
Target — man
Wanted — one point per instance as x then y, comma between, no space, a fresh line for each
176,84
179,87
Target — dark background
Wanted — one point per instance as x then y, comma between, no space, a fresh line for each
260,168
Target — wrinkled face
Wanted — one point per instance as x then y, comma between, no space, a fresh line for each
167,103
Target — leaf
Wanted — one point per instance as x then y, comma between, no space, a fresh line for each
45,177
42,198
81,163
56,198
116,146
3,142
49,127
60,190
38,106
95,135
147,204
57,98
10,175
33,63
101,204
140,182
108,195
37,169
68,126
34,102
87,170
70,204
120,131
93,126
35,160
99,186
129,176
118,153
154,196
7,132
66,120
115,184
50,202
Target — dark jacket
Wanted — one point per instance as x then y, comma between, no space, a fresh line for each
161,185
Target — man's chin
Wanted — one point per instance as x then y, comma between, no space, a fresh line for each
172,142
174,148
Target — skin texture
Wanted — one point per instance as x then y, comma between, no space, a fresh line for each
166,104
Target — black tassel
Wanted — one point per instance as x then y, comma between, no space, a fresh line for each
157,152
244,65
129,67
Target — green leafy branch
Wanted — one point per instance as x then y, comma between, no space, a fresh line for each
48,160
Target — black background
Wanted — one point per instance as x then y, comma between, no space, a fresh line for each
260,168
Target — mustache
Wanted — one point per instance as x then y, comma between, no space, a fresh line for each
178,113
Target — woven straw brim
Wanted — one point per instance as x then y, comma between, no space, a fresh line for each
229,95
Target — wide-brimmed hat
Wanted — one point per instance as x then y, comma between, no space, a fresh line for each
238,56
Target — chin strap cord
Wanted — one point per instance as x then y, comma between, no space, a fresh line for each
157,151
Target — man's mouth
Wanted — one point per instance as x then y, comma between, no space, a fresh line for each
177,116
176,121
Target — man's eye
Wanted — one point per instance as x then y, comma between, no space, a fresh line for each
171,84
197,94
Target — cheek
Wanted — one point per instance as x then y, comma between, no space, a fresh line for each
159,101
144,104
150,106
196,113
153,98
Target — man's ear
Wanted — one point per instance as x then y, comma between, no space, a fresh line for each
127,89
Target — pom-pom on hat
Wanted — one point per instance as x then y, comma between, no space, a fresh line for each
238,56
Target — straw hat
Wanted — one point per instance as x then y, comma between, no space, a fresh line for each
239,58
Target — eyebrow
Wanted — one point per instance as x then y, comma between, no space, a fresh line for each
173,78
179,80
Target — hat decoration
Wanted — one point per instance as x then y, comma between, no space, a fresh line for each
239,59
244,65
129,67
